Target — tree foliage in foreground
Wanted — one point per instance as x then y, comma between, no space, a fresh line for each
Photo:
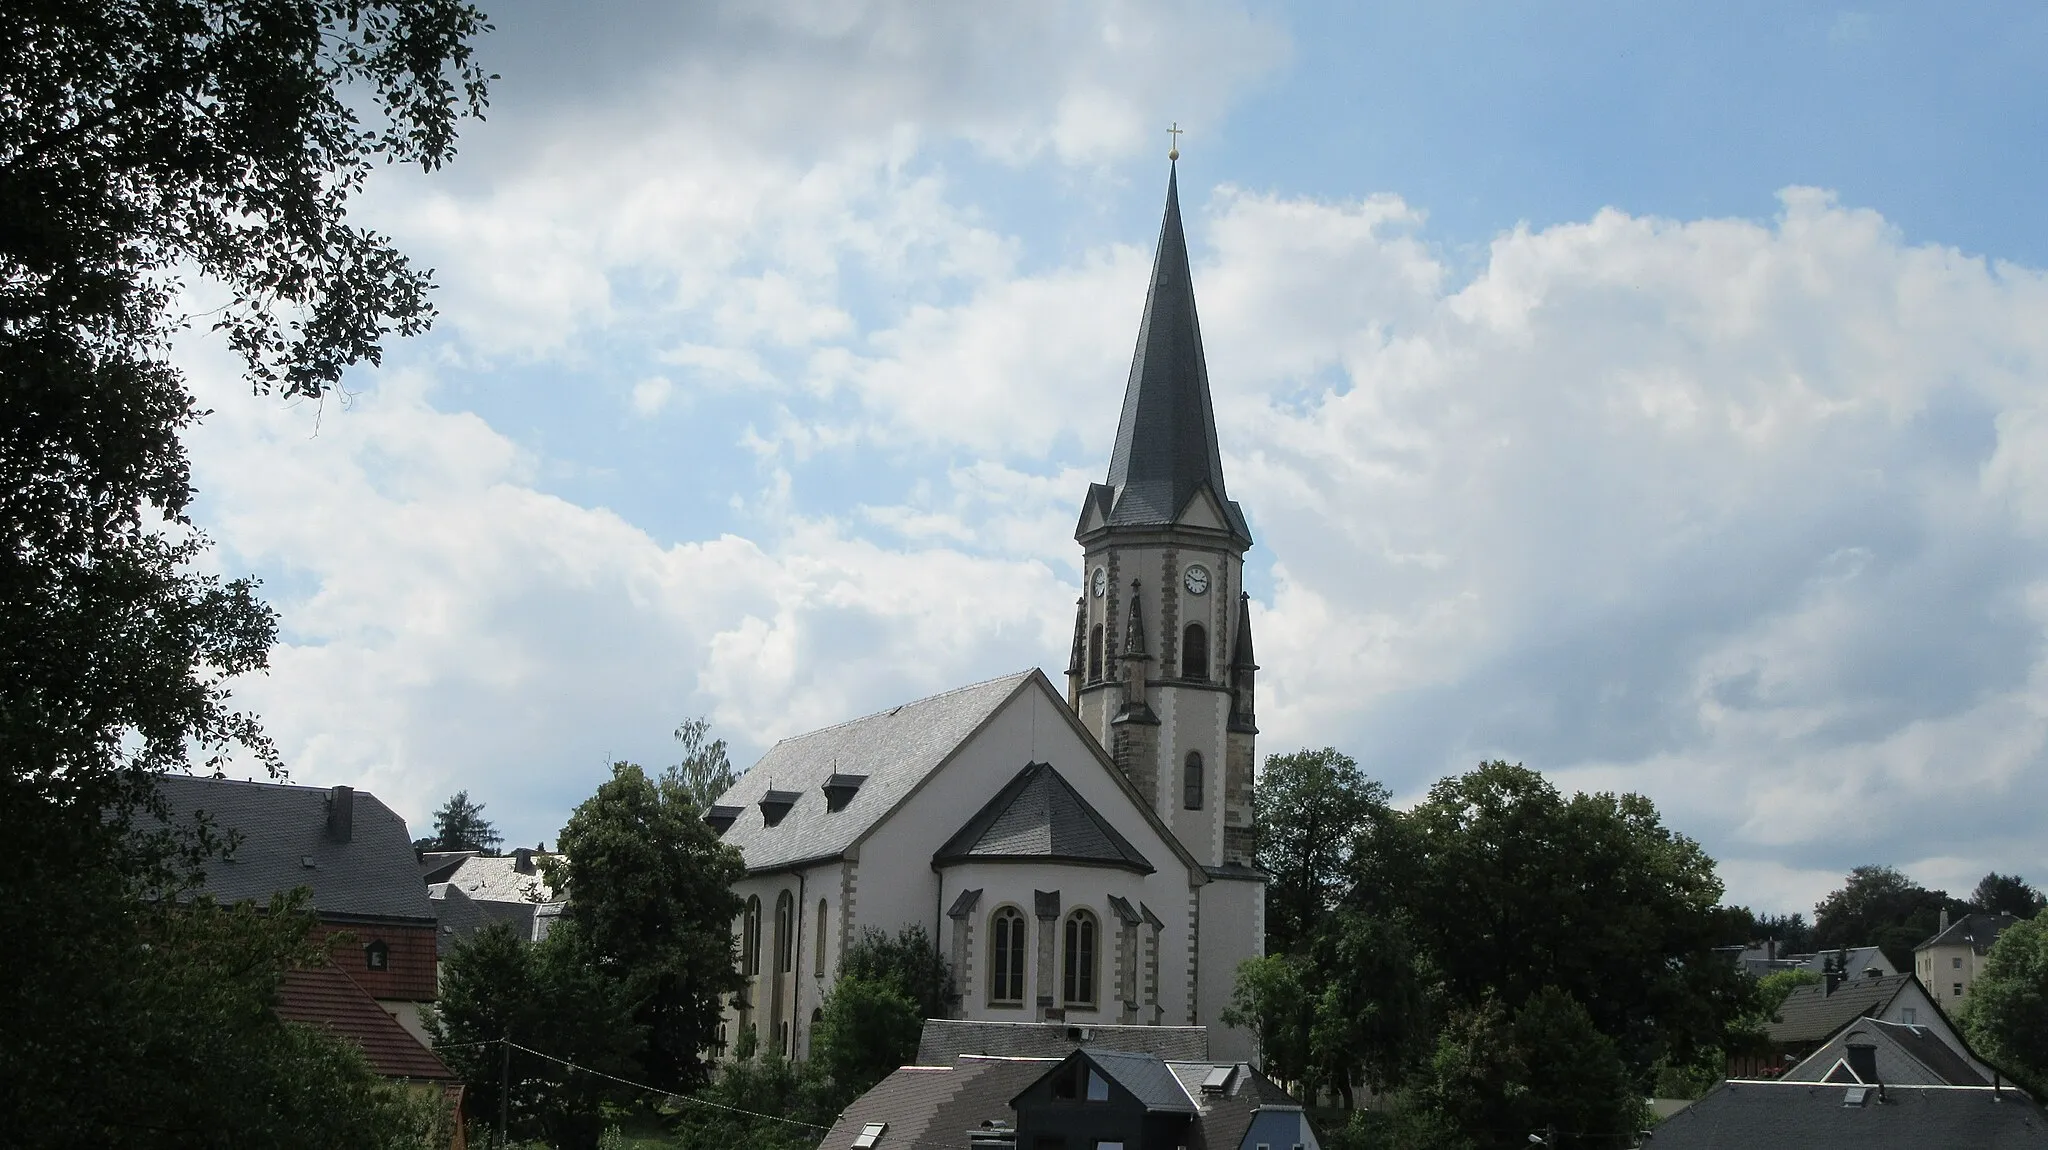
649,887
145,146
2006,1016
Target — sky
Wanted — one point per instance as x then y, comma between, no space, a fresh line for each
1653,394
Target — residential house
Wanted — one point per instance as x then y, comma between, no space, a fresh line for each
1088,1100
1084,856
1950,961
1871,1050
329,999
469,891
1762,958
353,855
1811,1015
1854,1116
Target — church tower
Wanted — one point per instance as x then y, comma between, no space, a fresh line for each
1161,669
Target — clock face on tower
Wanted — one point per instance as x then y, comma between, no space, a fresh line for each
1196,579
1100,583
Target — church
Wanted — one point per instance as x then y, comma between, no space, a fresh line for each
1081,856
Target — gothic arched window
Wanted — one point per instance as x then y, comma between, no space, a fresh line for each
1095,653
785,933
750,938
1078,974
1194,652
1006,956
1191,782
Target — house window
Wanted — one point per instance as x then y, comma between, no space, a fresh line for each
1956,963
1006,956
1095,653
1078,980
1194,652
1909,1016
1958,991
750,938
785,934
818,965
377,956
1191,782
1098,1086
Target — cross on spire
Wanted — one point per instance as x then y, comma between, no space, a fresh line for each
1174,134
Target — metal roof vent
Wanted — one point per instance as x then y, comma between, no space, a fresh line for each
776,804
840,789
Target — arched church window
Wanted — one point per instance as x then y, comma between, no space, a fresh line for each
785,933
818,966
1191,782
1095,653
1006,957
1078,976
750,938
1194,652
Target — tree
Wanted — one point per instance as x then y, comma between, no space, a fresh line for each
1312,807
869,1027
650,894
704,772
2007,894
460,825
910,962
1878,906
1516,888
1372,1016
141,145
497,988
2006,1015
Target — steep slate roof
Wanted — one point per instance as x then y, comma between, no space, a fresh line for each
461,916
1227,1117
327,998
285,844
896,749
1745,1114
501,880
1146,1076
936,1105
1166,436
1038,816
1976,931
1810,1014
1906,1055
945,1039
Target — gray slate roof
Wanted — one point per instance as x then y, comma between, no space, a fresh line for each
1166,436
945,1039
461,916
929,1105
502,880
1038,816
896,749
1227,1117
1810,1014
1906,1055
1976,931
1146,1076
285,844
1747,1114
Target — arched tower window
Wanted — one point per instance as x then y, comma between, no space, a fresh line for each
1194,652
1078,971
750,938
1006,956
818,966
785,933
1191,782
1095,653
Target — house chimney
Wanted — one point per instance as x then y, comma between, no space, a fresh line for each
341,813
1944,920
522,861
1834,979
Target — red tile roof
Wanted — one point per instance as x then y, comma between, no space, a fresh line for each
326,997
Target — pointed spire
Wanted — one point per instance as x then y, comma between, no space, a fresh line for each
1166,437
1134,634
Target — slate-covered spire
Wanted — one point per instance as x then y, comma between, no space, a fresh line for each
1166,437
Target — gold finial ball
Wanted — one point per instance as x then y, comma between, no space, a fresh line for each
1173,154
